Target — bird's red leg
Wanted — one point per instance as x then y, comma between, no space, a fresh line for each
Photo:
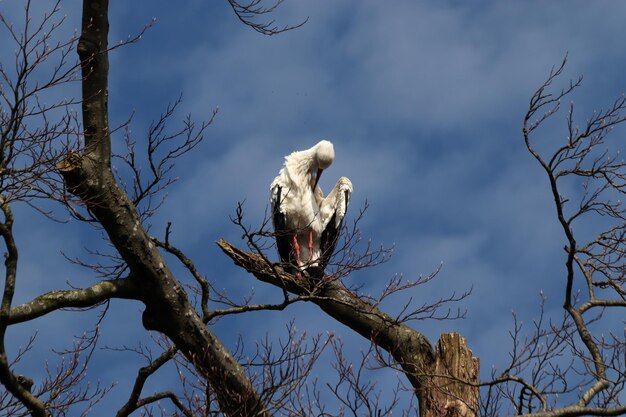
297,248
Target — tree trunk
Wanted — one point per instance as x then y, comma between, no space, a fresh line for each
94,61
89,177
453,389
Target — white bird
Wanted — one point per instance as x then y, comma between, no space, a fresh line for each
306,224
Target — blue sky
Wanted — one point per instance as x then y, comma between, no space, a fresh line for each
424,103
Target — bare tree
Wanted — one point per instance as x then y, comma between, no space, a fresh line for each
48,152
594,269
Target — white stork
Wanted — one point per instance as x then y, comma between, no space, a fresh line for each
306,224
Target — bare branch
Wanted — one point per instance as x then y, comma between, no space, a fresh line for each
248,12
78,298
135,402
10,381
163,149
410,348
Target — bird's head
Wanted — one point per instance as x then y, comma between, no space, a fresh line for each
324,156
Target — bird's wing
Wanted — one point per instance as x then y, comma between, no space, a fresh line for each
284,238
333,210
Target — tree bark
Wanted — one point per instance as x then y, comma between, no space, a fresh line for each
453,390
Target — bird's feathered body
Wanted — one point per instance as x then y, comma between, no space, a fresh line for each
306,224
294,207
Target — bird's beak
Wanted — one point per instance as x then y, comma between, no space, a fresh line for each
317,178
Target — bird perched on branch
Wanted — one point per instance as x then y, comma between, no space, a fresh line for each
306,224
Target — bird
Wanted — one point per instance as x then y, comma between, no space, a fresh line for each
307,224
